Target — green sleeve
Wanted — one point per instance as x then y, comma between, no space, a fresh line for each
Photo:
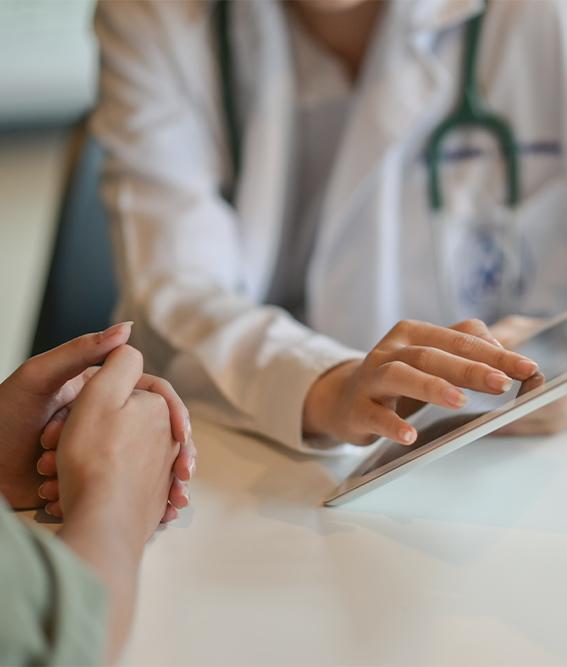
52,609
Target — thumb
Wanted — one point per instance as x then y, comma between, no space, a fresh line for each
47,372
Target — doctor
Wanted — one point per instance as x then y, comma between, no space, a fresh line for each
269,184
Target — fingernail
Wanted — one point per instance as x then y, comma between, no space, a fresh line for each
187,498
113,330
454,397
192,468
47,510
40,467
40,493
407,435
498,381
526,367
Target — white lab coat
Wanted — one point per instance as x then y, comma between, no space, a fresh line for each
195,272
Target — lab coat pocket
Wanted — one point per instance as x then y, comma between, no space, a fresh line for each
479,262
494,260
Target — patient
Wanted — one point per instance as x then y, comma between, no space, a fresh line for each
124,454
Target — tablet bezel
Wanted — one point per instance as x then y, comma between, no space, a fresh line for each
356,485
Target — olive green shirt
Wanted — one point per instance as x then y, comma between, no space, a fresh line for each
52,607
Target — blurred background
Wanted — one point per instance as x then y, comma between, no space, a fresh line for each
55,268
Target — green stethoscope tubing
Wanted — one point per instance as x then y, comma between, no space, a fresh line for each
471,112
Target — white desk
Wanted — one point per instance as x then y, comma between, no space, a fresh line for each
32,173
461,563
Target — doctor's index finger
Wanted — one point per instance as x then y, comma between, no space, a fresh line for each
116,380
466,345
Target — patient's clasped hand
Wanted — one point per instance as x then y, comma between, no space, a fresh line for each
41,396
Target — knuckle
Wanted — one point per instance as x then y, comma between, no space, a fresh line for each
403,327
165,385
472,325
133,355
167,390
375,358
475,323
399,328
468,374
478,327
84,343
90,372
28,372
420,357
465,345
391,370
501,358
433,386
94,390
158,402
460,325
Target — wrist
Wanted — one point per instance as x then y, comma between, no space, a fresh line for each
91,519
102,537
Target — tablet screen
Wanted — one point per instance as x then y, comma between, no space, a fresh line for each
548,349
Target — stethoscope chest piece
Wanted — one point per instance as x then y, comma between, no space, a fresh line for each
482,263
479,254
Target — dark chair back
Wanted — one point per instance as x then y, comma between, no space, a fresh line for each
81,290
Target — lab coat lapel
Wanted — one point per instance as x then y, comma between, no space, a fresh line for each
268,147
401,92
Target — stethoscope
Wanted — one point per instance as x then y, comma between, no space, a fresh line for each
498,271
471,112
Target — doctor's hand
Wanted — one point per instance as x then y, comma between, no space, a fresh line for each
552,418
361,400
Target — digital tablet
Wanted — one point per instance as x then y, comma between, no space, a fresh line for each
442,431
